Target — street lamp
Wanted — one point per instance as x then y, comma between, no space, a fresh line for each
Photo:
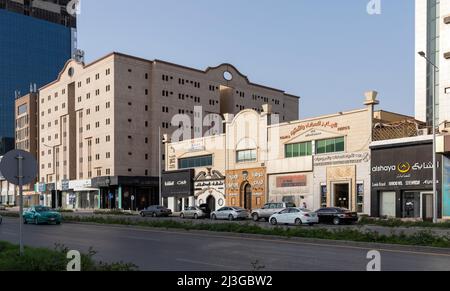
435,196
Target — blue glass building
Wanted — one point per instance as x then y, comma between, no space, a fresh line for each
36,40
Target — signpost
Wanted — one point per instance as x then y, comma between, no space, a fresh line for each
19,168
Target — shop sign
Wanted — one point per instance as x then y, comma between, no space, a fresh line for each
403,167
291,181
315,125
341,159
177,183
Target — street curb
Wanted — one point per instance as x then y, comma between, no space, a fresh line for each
342,243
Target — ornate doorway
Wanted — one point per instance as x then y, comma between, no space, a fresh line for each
247,196
211,201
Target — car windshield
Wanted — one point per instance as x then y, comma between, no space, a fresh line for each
42,209
305,210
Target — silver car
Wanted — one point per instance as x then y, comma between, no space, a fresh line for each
230,213
270,209
192,212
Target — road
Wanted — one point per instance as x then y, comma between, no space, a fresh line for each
163,250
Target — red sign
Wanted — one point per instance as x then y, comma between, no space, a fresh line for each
291,181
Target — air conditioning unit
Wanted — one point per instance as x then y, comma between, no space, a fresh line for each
422,132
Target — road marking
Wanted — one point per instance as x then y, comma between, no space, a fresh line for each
203,263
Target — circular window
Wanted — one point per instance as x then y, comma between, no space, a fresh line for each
228,76
71,72
221,202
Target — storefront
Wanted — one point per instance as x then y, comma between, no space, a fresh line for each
343,180
295,188
402,180
79,194
178,189
246,188
209,188
127,193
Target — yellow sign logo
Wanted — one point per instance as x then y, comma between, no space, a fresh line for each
404,168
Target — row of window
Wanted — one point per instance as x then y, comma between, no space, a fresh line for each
326,146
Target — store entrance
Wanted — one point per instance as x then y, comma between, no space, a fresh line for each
342,195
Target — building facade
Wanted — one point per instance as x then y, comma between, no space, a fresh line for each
99,122
433,38
317,162
37,38
402,178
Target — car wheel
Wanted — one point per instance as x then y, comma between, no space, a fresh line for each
182,215
25,221
142,214
273,221
255,217
230,217
154,214
298,221
196,216
58,223
214,217
336,221
311,224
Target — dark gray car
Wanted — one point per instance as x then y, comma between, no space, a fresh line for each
156,211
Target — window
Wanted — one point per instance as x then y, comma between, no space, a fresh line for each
88,96
108,88
246,156
333,145
88,80
108,171
108,155
108,138
97,92
108,105
195,162
108,121
298,150
108,71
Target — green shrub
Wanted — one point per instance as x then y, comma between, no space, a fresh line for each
40,259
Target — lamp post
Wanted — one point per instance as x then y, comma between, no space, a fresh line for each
435,196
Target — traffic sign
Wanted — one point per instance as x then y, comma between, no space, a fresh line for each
16,161
132,197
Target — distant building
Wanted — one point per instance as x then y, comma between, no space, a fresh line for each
37,38
98,124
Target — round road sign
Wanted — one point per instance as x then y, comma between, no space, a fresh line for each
9,167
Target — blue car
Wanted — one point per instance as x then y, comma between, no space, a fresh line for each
41,215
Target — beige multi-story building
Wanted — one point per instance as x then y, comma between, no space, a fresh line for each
99,124
320,162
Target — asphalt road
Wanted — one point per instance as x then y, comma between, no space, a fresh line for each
161,250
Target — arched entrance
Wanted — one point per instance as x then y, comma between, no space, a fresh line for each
247,196
211,201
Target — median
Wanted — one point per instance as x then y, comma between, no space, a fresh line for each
40,259
422,238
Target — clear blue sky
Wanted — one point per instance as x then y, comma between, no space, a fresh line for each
329,52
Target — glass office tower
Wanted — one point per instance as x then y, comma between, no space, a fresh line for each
36,39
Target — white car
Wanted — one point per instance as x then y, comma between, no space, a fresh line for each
297,216
230,213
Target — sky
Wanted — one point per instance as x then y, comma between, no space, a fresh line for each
327,52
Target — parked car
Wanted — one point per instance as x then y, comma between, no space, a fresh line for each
270,209
192,212
297,216
230,213
40,215
2,208
205,208
336,215
156,211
